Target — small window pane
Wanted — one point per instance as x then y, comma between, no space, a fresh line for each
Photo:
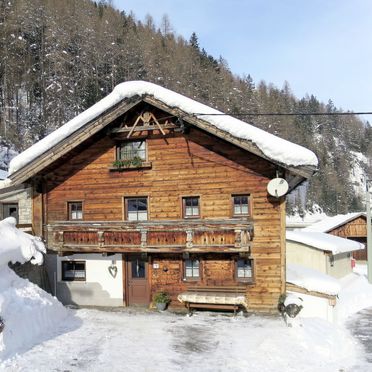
142,216
132,216
138,268
188,211
132,205
244,209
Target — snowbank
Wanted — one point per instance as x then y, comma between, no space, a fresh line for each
312,280
16,245
29,313
356,294
273,147
323,241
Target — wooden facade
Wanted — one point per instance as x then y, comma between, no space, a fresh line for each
182,160
355,229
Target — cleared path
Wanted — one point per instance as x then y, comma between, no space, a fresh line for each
360,326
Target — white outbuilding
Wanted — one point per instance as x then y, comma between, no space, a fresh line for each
319,251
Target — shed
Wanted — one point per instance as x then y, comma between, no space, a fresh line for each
320,251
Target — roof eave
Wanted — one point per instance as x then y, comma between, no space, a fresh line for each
294,175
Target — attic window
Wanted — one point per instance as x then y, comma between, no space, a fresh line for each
131,151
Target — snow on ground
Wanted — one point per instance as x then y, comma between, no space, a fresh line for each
41,335
273,147
142,340
356,293
29,314
145,341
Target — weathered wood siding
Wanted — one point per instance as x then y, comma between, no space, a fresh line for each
182,165
215,270
354,230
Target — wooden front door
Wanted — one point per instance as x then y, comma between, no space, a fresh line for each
138,284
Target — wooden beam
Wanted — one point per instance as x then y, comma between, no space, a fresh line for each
142,128
147,249
295,288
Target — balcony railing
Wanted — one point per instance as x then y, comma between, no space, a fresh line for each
151,236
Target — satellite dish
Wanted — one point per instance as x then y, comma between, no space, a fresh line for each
277,187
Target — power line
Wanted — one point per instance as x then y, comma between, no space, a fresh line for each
289,114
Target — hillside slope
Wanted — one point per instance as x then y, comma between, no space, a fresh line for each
58,58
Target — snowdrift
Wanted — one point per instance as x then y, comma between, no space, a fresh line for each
30,314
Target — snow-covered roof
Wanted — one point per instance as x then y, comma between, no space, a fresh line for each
329,223
273,147
323,241
312,280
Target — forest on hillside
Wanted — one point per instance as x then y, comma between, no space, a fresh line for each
57,58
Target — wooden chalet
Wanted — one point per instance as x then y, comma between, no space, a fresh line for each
143,193
351,226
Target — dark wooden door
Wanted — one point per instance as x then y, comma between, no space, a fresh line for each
138,285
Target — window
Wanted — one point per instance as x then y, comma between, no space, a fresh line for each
10,210
138,268
244,270
73,271
192,269
136,209
191,207
131,150
240,205
75,210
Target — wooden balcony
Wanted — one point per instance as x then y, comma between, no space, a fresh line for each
151,236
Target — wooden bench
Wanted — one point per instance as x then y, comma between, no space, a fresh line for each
214,292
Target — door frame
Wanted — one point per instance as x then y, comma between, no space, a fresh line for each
126,279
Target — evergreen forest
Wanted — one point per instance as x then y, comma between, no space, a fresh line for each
57,58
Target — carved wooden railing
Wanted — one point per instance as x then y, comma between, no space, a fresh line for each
151,236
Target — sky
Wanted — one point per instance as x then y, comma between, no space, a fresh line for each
321,47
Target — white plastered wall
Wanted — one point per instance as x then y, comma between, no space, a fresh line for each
301,254
314,306
341,266
317,259
101,287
